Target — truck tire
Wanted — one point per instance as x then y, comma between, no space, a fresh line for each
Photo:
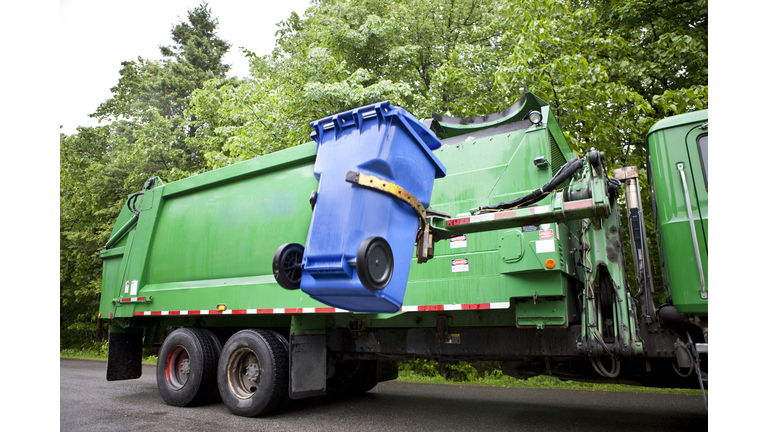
186,368
286,265
352,377
253,372
216,343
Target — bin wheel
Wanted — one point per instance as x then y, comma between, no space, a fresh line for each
286,265
375,263
253,372
186,368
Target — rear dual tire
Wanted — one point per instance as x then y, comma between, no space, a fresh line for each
186,367
253,372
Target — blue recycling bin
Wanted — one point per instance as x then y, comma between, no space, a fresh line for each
361,241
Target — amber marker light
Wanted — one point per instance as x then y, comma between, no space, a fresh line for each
221,307
550,263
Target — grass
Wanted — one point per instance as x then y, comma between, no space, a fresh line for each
540,381
98,351
424,371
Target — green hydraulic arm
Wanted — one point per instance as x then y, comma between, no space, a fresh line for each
590,200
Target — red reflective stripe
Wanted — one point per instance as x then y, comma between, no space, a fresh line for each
459,221
132,299
476,306
503,215
423,308
572,205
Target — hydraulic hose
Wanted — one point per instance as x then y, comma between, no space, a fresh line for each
566,171
132,202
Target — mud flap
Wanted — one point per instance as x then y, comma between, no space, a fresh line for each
307,366
124,358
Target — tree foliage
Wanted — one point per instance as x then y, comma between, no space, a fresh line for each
609,69
150,135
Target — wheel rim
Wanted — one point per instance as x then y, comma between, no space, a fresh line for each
243,373
375,263
378,264
292,266
177,367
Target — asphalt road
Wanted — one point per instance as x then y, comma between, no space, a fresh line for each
89,403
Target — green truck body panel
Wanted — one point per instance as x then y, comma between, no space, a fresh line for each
671,141
209,239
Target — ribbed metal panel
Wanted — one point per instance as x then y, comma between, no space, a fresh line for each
557,160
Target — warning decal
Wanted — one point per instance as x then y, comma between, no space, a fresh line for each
459,265
546,234
459,242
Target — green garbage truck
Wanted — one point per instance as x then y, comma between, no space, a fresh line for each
316,269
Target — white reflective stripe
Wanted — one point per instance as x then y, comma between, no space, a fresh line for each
501,305
309,310
410,308
281,310
481,218
451,307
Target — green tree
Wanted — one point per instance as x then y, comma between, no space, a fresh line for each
150,134
426,56
610,69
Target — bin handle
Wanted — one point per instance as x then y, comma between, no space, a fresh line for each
423,236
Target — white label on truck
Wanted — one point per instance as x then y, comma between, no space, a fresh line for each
544,246
134,287
459,242
127,286
459,265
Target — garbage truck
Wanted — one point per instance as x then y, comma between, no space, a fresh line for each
385,238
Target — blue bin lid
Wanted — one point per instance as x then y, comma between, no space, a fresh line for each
355,117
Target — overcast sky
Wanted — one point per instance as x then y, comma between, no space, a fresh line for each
97,35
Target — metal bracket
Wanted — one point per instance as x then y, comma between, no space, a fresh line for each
426,244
